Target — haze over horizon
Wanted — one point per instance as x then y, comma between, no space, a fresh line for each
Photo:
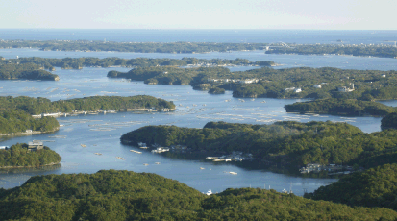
205,14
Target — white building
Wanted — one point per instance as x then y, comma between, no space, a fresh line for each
297,90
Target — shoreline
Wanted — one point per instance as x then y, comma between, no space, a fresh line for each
33,132
14,167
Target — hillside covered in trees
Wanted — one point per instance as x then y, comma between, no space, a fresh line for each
19,156
376,187
341,106
124,195
28,71
43,105
18,121
287,143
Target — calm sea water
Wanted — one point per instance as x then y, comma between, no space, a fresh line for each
195,108
235,36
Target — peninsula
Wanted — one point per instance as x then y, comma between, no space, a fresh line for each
27,71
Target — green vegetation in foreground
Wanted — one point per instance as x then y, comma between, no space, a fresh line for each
376,187
18,121
19,156
216,90
124,195
289,144
341,107
141,47
29,71
389,121
42,105
337,49
79,63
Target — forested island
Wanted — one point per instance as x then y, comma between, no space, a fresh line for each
40,105
339,106
277,83
28,71
376,187
287,144
367,50
125,195
20,155
389,121
19,122
79,63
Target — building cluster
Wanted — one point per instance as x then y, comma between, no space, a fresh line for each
331,168
246,81
296,90
346,88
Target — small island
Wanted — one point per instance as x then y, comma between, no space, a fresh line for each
126,195
339,106
22,155
27,71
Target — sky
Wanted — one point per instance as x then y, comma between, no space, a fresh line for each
203,14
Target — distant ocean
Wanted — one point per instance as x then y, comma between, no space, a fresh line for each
235,36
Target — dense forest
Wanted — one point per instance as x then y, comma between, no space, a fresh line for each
29,71
124,195
341,106
18,121
389,121
290,144
79,63
386,51
19,156
376,187
43,105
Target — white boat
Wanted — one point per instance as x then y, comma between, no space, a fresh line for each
209,192
157,162
145,164
234,173
202,168
83,145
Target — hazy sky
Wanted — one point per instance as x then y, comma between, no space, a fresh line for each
202,14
